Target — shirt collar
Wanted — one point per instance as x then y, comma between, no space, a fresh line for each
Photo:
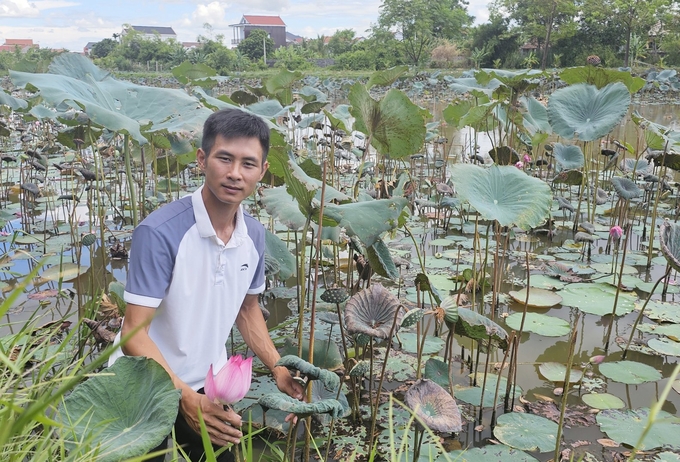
205,227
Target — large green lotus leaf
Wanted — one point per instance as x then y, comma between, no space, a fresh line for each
669,330
527,432
556,372
585,113
117,105
386,77
669,239
310,94
65,271
126,411
538,298
664,346
596,298
367,220
475,326
603,401
627,426
535,117
569,156
473,395
625,188
280,85
541,324
667,457
601,77
278,249
630,372
188,71
281,205
340,118
394,124
270,109
491,453
662,311
520,80
471,85
504,193
14,103
380,259
285,403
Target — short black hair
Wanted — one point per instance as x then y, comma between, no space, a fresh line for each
235,123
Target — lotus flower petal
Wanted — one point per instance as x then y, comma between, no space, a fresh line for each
372,312
232,382
434,406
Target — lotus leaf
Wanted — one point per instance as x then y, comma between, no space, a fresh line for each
585,113
569,177
434,406
123,421
640,166
630,372
437,371
394,124
285,403
361,369
625,188
313,108
310,94
197,73
372,312
321,393
386,77
527,432
596,298
65,271
411,342
667,457
603,401
278,250
328,378
326,354
568,156
491,453
556,372
278,203
280,85
627,426
475,326
541,324
664,346
505,194
504,155
669,239
14,103
412,317
662,311
536,116
600,77
243,98
538,298
473,395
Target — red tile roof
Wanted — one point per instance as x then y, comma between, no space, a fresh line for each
264,20
19,42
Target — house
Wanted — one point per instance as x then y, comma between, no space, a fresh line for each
294,39
273,25
151,32
22,44
87,49
191,45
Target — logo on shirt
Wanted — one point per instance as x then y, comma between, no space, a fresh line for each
244,267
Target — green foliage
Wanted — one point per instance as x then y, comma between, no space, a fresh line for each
341,42
355,61
103,48
255,44
293,58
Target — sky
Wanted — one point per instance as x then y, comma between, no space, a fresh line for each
70,24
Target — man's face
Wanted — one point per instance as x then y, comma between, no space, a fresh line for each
232,168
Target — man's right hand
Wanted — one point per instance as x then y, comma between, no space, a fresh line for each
222,425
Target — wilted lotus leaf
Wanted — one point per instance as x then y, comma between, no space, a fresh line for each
321,393
328,317
625,188
372,311
562,271
434,406
584,237
300,408
669,237
601,197
412,317
329,379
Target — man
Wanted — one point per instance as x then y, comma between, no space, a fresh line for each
196,267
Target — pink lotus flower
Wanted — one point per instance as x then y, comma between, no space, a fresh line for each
597,359
519,165
232,382
616,232
526,158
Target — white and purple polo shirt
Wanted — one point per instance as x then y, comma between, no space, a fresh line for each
197,283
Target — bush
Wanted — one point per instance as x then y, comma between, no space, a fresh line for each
292,58
355,61
445,55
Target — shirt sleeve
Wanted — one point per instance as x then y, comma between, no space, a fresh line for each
257,285
150,267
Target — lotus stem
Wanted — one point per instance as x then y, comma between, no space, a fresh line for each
650,251
130,181
302,284
565,393
498,382
486,372
618,286
526,299
642,311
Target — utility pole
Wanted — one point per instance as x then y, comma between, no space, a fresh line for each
264,47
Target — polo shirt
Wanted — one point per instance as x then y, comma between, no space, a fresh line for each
195,281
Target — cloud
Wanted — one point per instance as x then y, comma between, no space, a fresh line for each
18,9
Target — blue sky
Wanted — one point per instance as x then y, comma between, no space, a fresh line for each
71,24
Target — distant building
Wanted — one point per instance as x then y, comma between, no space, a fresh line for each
191,45
87,49
151,32
293,39
22,44
273,25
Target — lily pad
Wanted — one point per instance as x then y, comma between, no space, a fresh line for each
65,271
626,427
603,401
504,193
410,340
664,346
596,298
491,453
538,298
473,395
556,372
527,432
629,372
143,414
540,324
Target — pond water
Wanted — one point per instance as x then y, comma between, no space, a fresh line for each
40,299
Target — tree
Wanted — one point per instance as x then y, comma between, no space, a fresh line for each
254,45
341,42
418,23
497,38
103,48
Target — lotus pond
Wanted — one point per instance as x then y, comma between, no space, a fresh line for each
488,271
